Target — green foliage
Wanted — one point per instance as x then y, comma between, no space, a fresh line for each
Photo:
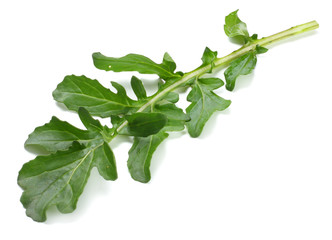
140,155
58,177
138,63
58,135
237,30
208,58
234,27
204,102
241,66
138,88
145,124
260,49
80,91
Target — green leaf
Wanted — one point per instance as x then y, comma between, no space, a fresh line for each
80,91
59,179
234,27
121,91
172,97
204,102
208,58
260,49
94,125
116,120
138,88
140,156
138,63
59,135
89,122
240,66
104,160
254,37
144,124
176,118
168,63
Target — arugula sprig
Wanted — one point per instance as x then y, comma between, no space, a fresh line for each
59,177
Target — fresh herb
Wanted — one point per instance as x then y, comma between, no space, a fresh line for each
59,177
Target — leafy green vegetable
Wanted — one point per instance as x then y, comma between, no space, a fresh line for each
138,88
240,66
88,121
204,102
140,156
59,177
59,135
208,58
260,49
234,27
145,124
136,62
80,91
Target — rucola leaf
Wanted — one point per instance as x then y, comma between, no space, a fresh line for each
89,122
138,88
240,66
138,63
59,135
208,58
237,30
59,178
94,125
176,118
169,64
204,102
259,49
140,155
145,124
172,97
80,91
234,27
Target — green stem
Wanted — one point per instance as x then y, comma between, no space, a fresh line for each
224,61
265,41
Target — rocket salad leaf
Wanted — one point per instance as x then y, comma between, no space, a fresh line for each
138,63
204,102
240,66
234,27
59,178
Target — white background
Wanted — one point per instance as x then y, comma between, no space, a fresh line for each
260,170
